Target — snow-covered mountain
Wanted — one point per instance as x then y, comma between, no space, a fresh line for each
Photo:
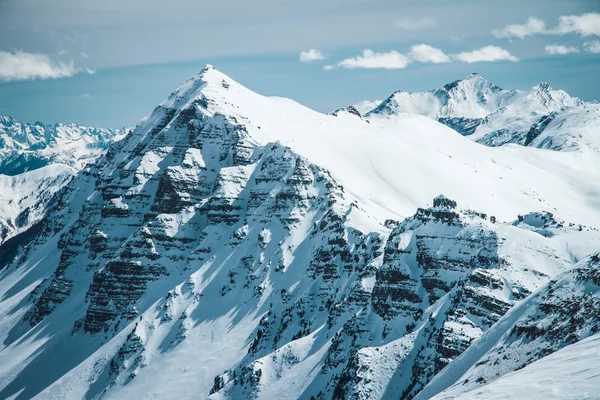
25,147
490,115
240,246
365,106
36,161
560,314
570,373
24,199
360,108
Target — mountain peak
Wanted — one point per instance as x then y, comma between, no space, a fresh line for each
209,82
208,69
474,81
5,119
477,78
208,74
543,87
211,71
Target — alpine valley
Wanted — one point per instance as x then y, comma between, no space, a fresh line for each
443,245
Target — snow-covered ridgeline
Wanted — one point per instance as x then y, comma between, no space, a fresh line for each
245,246
541,117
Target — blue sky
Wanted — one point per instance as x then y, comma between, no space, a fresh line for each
142,50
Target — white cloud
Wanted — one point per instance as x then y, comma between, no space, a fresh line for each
370,59
427,54
592,47
416,23
531,27
558,49
422,53
485,54
21,66
583,25
311,55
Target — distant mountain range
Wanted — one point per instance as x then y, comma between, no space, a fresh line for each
236,246
25,147
541,117
36,160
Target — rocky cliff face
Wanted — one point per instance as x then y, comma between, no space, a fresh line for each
193,253
562,313
435,285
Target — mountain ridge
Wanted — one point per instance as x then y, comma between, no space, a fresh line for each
490,115
484,93
26,146
302,256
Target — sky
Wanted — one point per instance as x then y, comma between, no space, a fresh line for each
109,63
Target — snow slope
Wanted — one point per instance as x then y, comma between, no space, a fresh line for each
576,128
570,373
241,246
24,198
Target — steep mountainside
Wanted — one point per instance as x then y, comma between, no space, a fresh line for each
562,313
239,246
444,277
570,373
493,116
